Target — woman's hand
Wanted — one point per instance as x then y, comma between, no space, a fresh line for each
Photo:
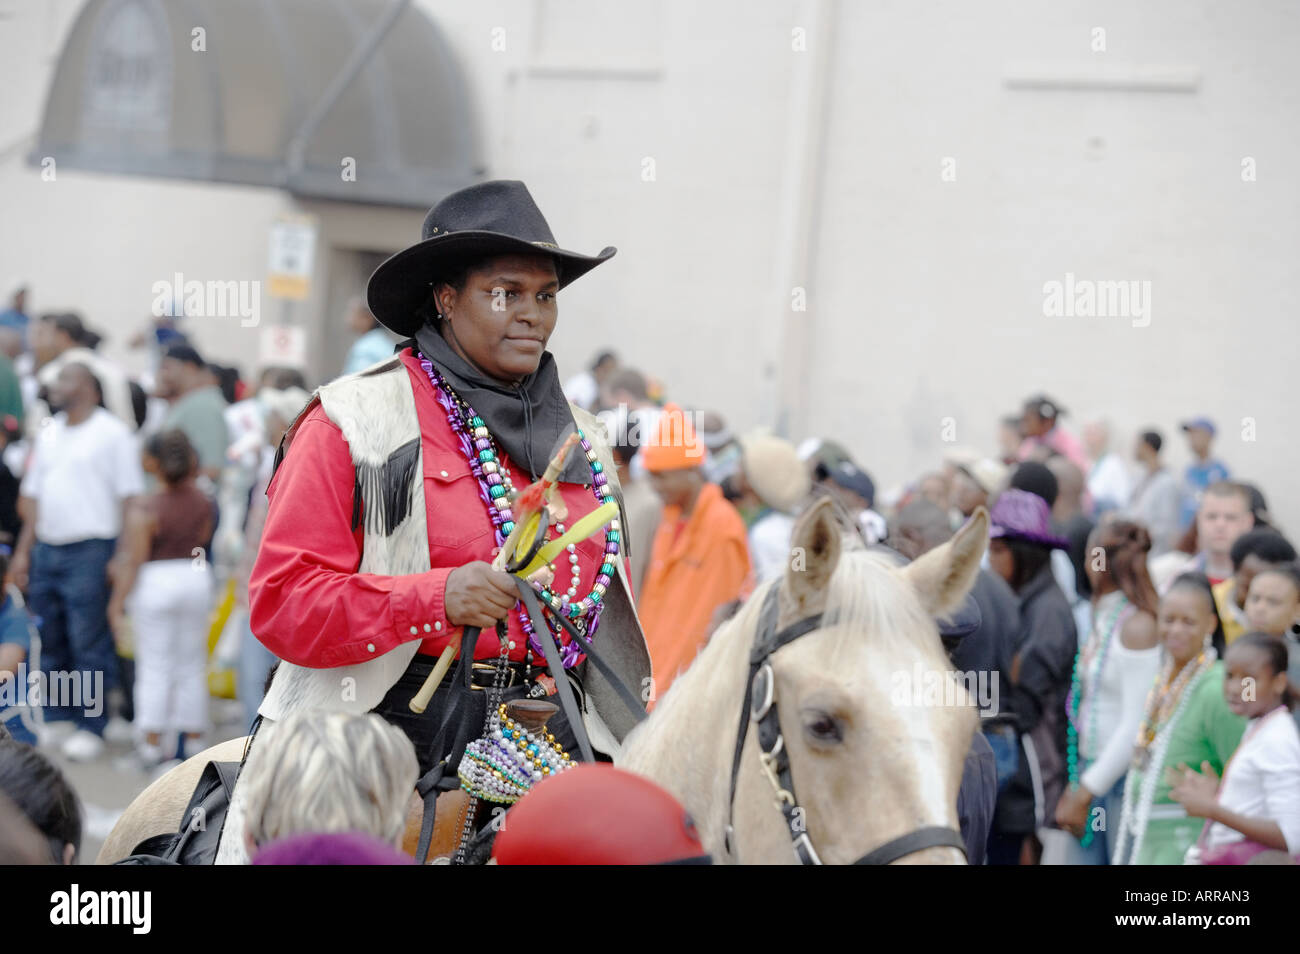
1072,810
478,595
19,567
1198,793
117,623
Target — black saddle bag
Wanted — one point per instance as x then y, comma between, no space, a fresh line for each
196,842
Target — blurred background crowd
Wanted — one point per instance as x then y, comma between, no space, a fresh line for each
133,524
837,223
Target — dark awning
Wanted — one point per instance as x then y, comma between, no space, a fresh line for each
132,94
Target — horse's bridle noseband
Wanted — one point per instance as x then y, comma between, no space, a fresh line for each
760,708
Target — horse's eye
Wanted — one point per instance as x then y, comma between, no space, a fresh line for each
823,728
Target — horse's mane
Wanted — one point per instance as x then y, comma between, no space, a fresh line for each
868,595
865,593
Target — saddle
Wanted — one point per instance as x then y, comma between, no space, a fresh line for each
434,825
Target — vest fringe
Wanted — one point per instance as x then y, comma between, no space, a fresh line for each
383,492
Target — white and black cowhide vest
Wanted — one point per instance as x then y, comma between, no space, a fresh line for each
375,411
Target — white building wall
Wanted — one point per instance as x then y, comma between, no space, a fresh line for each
929,294
96,244
925,297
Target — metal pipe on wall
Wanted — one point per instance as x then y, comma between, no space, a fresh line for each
800,214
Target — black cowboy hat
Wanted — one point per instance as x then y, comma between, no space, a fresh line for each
491,218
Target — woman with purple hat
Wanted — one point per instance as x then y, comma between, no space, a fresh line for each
1020,552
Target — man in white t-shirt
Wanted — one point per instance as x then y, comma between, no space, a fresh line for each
58,340
1109,483
83,472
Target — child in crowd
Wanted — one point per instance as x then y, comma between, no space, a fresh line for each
15,648
1253,551
1257,807
1273,602
11,431
40,792
1273,607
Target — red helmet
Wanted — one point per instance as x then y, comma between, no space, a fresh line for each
595,814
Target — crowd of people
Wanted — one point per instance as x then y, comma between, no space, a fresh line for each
1141,625
125,502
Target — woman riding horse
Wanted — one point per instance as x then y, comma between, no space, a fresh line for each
393,493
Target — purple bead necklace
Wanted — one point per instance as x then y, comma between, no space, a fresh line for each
496,490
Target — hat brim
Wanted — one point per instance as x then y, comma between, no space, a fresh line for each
401,284
989,487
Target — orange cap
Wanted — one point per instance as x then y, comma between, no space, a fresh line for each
674,444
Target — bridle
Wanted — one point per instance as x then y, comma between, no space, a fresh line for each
760,709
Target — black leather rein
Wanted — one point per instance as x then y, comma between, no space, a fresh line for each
760,709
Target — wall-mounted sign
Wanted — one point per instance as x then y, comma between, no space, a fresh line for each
282,346
293,247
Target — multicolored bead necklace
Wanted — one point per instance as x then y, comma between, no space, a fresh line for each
1165,695
1152,750
497,490
502,766
1074,701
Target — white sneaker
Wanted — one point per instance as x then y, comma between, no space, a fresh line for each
151,756
192,747
119,731
51,734
143,757
83,746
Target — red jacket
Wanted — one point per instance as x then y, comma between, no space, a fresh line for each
307,602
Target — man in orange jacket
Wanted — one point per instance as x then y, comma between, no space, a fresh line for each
700,557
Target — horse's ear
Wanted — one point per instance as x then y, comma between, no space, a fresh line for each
814,554
945,575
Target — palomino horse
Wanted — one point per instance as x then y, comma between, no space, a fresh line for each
868,764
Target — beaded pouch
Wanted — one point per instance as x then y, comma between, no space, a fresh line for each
510,758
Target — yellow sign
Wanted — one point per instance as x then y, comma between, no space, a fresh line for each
293,247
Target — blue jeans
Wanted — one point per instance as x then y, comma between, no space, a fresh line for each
1006,752
68,592
13,719
255,661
